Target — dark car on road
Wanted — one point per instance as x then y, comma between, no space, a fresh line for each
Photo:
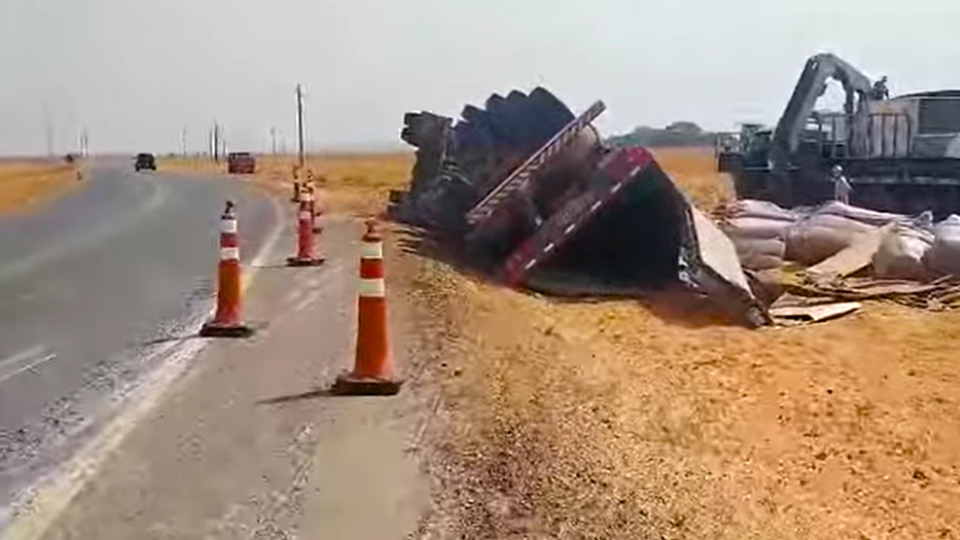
145,161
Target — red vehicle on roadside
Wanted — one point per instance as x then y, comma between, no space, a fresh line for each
241,163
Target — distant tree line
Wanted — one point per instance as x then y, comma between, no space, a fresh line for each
675,134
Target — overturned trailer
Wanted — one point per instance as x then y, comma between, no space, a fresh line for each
534,192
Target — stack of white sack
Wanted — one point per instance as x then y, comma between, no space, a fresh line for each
757,230
765,235
860,215
903,253
821,236
832,227
944,255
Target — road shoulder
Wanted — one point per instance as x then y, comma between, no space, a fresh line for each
243,445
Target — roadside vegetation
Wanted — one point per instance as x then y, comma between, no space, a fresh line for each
26,183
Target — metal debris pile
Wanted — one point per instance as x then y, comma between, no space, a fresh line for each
531,190
532,193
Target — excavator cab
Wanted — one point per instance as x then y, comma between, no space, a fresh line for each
751,149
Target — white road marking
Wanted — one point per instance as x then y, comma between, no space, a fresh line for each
33,360
34,351
312,297
292,296
49,499
309,299
269,244
317,286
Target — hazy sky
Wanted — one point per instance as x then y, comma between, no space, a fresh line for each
134,72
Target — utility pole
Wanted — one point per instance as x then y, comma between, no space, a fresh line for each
84,143
273,140
300,124
216,141
183,141
48,124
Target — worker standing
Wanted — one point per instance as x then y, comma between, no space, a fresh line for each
880,90
841,186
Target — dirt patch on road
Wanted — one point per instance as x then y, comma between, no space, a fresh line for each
25,184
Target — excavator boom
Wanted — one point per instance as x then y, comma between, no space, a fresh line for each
810,86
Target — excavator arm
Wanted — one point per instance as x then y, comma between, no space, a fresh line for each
809,88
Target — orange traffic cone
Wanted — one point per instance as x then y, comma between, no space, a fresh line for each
227,322
305,242
372,371
314,213
317,214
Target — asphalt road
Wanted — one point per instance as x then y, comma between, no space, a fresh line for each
89,287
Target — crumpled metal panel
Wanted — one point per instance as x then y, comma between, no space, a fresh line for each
549,199
709,263
704,258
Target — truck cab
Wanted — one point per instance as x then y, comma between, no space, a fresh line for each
241,163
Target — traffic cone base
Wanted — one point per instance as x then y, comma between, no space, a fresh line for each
296,261
214,329
348,384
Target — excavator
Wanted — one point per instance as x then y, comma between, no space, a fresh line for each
900,154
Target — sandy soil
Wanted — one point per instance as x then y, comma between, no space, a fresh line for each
608,421
635,420
624,420
26,183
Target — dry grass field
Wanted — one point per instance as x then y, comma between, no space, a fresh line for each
612,420
608,420
26,183
357,183
693,169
